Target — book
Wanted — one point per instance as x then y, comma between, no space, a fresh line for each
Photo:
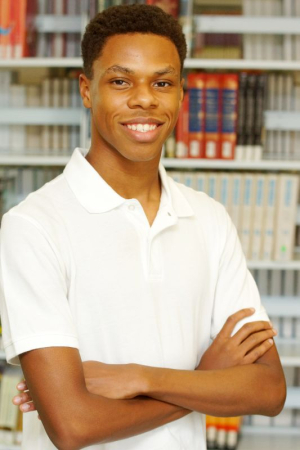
196,83
286,217
268,228
229,94
182,129
212,116
258,216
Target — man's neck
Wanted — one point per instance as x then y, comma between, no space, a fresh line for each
129,179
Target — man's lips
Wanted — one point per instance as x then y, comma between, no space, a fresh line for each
142,132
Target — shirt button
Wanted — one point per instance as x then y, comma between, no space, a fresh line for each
131,207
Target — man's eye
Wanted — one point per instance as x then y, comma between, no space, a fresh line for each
119,82
163,84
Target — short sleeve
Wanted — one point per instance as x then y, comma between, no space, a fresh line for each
35,311
235,288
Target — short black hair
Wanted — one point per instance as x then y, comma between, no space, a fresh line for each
125,19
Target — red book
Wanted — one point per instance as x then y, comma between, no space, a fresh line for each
229,99
19,34
182,129
6,30
196,83
212,116
169,6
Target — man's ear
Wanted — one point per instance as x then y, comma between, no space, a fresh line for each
84,87
181,91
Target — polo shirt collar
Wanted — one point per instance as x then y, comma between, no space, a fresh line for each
97,196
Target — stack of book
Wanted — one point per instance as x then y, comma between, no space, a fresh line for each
222,432
39,139
58,44
283,94
221,117
268,46
217,45
262,207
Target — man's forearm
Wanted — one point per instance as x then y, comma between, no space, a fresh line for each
240,390
121,419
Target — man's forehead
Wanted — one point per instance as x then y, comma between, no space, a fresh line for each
116,68
138,50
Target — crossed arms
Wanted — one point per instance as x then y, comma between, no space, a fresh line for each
237,375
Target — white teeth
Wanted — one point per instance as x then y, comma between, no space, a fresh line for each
143,128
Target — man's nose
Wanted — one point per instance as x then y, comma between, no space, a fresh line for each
143,96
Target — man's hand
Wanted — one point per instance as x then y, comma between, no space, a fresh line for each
251,342
115,381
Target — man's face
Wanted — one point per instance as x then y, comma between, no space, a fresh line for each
134,96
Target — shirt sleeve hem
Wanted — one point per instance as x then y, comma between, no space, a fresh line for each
14,349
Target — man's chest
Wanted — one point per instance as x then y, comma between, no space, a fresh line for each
139,298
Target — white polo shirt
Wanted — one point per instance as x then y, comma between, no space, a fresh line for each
81,267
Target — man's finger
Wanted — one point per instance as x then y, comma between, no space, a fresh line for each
258,352
22,386
22,398
27,407
232,320
250,328
255,339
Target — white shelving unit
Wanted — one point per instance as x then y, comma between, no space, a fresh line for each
289,351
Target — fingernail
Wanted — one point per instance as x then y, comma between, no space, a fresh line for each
271,325
25,407
21,386
274,331
17,399
271,341
252,309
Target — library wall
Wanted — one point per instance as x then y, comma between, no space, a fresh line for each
237,139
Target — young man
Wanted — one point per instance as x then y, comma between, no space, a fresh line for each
115,264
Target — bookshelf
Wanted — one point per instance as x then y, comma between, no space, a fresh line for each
289,351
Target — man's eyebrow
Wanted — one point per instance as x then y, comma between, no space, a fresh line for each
117,69
166,70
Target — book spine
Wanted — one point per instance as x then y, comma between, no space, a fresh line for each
212,108
182,129
286,217
241,117
269,217
229,95
258,213
196,114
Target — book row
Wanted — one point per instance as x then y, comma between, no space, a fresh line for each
38,140
222,432
272,47
277,282
220,113
21,36
57,92
262,207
